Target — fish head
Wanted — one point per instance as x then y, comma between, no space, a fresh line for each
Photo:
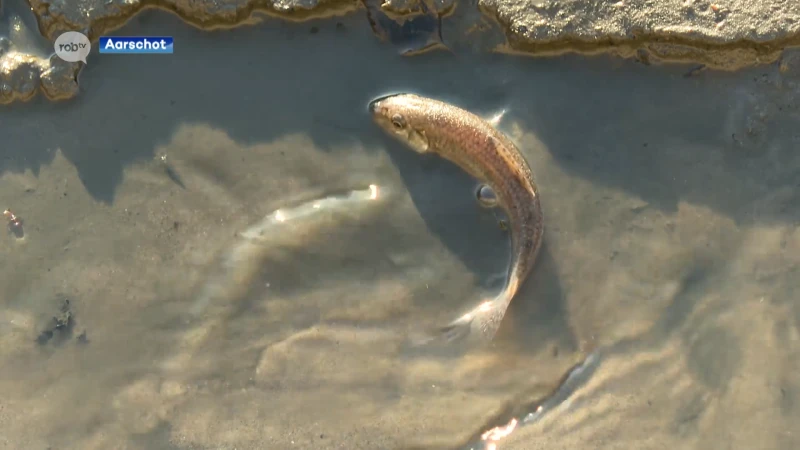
403,116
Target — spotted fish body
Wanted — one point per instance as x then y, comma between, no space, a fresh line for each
432,126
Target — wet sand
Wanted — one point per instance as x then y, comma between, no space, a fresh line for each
671,252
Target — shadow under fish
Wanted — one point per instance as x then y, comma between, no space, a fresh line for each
415,33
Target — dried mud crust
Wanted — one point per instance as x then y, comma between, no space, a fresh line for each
729,34
23,75
97,17
726,34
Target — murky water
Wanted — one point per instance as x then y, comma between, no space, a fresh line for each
671,255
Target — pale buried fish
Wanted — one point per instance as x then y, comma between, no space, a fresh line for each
469,141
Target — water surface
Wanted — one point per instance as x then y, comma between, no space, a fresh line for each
672,252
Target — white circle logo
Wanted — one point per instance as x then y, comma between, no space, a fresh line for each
73,47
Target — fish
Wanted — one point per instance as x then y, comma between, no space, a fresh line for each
430,126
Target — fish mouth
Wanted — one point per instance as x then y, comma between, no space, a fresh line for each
373,105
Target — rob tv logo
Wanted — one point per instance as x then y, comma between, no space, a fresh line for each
73,46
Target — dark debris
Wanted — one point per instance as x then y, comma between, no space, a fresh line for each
416,34
61,327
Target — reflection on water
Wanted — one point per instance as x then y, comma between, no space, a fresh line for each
526,414
672,211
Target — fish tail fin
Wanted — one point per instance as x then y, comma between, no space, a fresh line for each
478,325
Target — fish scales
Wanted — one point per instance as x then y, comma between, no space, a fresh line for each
472,143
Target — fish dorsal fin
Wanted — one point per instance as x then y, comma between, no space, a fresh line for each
496,118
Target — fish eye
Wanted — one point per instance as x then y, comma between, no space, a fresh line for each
398,121
486,196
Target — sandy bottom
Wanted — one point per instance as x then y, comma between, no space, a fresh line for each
129,319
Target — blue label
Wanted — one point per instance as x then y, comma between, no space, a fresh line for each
127,44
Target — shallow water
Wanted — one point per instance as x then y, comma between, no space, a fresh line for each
671,253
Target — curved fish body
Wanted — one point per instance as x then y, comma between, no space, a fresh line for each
432,126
